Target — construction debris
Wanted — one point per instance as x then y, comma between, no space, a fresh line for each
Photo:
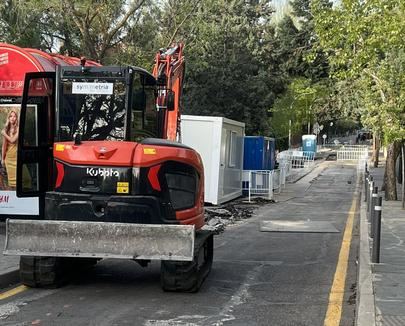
218,217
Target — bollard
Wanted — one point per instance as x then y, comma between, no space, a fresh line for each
377,232
370,199
373,202
369,192
370,179
365,186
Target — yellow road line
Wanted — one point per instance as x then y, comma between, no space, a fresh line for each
12,292
334,311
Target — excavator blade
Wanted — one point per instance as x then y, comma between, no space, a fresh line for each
99,240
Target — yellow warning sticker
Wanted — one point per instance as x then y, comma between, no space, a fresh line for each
60,147
149,151
122,187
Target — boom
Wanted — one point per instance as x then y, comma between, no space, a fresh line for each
169,72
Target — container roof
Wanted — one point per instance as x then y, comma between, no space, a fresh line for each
15,62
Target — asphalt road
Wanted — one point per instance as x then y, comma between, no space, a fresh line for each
258,278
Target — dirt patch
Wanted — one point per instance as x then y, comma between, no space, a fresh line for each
218,217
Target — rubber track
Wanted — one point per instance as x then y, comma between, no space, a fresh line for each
188,276
50,272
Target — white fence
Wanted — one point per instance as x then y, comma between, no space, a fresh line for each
263,183
298,159
352,153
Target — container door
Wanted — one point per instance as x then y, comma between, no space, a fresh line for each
223,161
35,136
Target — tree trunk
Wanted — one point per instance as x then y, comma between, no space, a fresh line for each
391,180
403,174
376,150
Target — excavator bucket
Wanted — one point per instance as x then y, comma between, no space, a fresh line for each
99,240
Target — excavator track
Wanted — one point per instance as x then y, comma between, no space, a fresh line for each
43,272
180,276
51,272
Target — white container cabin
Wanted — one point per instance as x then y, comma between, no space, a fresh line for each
219,141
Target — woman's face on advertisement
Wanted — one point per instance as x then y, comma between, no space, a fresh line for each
13,118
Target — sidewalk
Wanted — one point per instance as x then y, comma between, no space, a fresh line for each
9,269
387,279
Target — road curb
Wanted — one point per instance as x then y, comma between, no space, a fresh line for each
365,312
9,277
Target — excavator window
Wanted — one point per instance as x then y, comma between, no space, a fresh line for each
93,108
143,111
113,103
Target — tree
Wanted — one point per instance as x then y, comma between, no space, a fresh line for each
93,28
364,40
306,68
316,66
229,72
303,104
19,26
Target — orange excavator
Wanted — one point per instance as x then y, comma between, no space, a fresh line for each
98,146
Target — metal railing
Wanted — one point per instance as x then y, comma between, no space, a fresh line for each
352,153
298,159
264,183
258,183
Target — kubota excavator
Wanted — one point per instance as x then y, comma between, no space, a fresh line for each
98,146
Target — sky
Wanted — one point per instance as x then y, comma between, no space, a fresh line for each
277,3
280,7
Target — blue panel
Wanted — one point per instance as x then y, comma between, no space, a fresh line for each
253,153
259,153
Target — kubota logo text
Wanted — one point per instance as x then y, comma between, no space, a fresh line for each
95,172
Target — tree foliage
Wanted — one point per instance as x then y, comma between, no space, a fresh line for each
19,25
232,73
310,96
364,40
348,57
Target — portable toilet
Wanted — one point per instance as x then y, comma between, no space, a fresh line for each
259,153
309,143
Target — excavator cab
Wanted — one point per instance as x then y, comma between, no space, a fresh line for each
94,147
95,103
106,103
